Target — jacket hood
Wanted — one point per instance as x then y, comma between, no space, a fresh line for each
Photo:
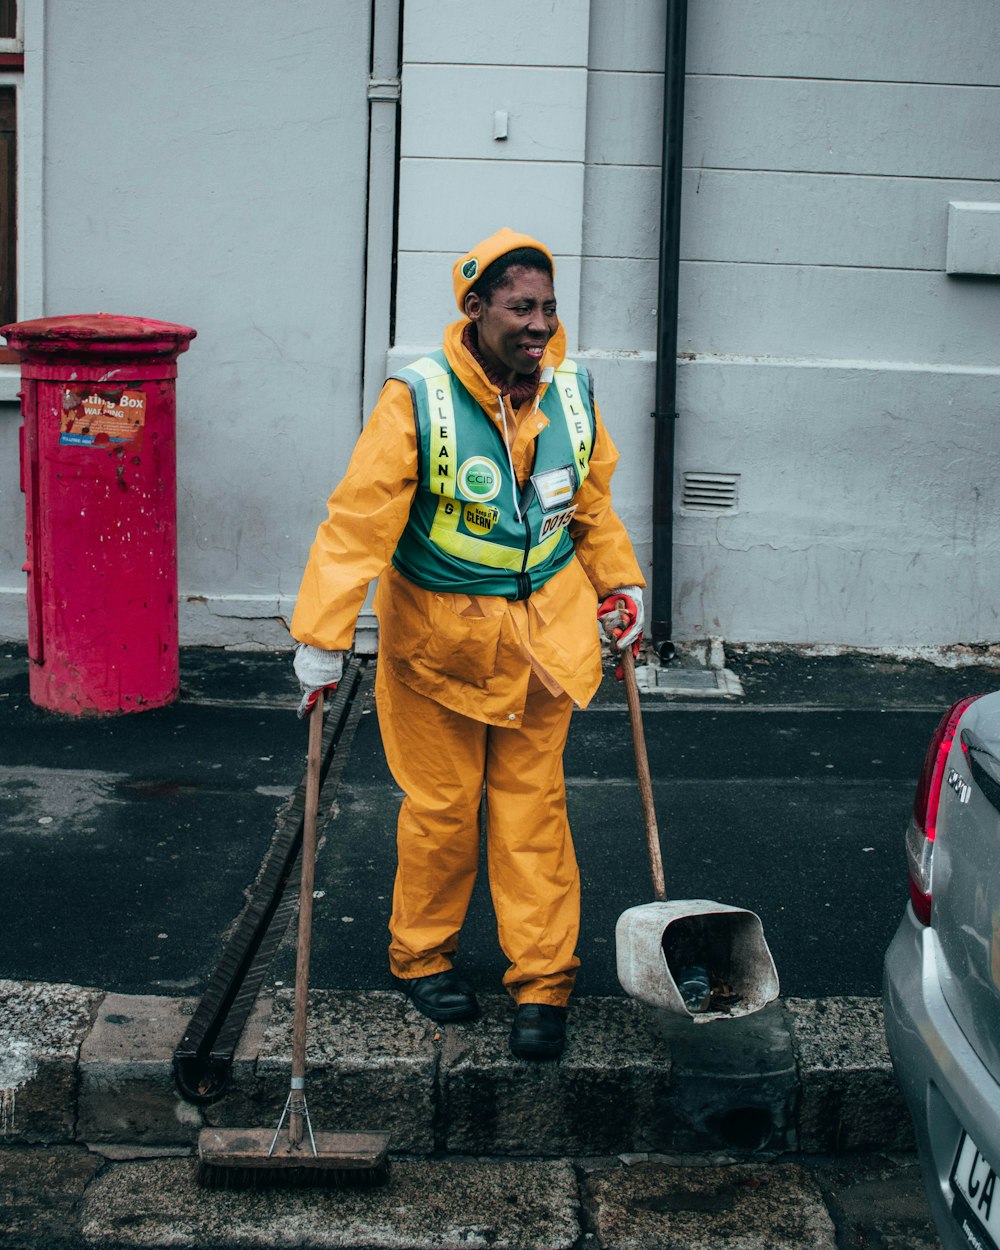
470,373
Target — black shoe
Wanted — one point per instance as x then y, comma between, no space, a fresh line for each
539,1031
442,996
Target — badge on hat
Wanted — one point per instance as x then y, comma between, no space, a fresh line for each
470,269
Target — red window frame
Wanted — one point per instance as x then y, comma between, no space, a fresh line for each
11,61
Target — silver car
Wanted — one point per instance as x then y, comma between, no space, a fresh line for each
942,975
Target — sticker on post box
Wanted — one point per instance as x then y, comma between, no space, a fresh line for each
99,418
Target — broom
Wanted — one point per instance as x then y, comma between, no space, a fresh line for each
249,1157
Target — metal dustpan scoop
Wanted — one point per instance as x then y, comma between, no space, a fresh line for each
695,957
658,942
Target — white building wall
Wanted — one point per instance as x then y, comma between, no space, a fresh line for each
828,361
210,168
462,64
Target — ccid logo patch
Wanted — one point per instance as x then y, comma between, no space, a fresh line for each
479,479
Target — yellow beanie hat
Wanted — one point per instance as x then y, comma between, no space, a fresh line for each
468,269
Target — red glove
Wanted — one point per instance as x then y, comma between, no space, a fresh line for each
619,615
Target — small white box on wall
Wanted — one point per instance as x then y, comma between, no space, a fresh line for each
973,238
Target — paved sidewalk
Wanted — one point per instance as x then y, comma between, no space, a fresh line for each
82,1068
69,1199
126,849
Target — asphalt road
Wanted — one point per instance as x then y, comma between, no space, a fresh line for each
128,844
797,814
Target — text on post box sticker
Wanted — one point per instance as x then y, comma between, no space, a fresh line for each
97,418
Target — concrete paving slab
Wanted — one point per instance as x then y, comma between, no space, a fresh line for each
848,1099
126,1089
424,1206
745,1207
605,1094
878,1201
806,1075
42,1027
40,1194
632,1079
734,1082
372,1064
873,1200
243,1103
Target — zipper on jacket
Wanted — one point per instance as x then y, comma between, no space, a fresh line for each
510,458
523,580
524,563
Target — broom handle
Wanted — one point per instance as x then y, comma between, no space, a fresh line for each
645,781
302,949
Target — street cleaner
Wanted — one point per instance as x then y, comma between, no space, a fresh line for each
479,495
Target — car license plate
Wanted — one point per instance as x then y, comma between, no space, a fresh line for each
976,1205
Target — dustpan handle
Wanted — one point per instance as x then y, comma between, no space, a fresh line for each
645,781
306,884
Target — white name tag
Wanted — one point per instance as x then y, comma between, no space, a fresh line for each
555,487
558,521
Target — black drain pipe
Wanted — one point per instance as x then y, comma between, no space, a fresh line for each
666,330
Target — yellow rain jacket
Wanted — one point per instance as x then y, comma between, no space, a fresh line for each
472,654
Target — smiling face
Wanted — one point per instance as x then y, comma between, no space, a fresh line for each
516,323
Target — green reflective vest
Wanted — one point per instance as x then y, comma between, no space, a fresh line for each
471,528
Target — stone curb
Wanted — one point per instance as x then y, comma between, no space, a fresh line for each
69,1198
78,1066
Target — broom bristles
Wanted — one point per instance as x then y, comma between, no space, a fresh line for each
243,1158
221,1176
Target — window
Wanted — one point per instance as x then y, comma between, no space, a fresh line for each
8,204
11,80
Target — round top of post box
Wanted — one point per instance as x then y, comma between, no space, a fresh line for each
97,334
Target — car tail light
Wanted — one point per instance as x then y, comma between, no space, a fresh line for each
921,835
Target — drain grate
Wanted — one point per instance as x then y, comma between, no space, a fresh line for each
203,1060
710,492
691,683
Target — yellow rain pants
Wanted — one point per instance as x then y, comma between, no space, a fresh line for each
440,759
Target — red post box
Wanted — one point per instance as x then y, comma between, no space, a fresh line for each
98,471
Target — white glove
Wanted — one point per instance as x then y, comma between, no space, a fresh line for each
629,618
316,670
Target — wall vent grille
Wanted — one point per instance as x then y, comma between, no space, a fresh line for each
710,492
